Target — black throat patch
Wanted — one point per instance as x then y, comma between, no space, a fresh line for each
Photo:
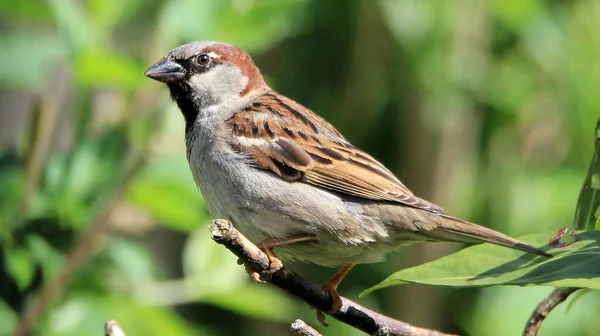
188,104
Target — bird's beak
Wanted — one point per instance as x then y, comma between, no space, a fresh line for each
166,71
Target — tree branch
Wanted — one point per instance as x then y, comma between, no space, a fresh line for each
544,308
350,313
300,327
112,328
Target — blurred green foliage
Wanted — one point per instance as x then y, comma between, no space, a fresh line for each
484,107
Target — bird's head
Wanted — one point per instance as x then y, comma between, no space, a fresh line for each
202,74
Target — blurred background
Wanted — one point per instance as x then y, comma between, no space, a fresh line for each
484,107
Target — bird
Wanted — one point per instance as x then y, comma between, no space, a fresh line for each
287,178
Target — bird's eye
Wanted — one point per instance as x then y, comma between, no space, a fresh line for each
203,59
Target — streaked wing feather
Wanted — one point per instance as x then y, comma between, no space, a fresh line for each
298,145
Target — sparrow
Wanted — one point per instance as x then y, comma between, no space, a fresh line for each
287,178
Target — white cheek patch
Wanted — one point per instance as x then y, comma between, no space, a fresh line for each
218,84
199,83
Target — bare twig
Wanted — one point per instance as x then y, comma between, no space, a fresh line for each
350,313
300,327
112,328
545,307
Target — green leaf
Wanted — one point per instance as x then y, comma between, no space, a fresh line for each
166,189
51,260
21,266
589,199
577,265
85,173
85,176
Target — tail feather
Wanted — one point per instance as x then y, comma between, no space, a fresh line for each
455,229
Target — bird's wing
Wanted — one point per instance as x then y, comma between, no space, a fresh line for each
282,136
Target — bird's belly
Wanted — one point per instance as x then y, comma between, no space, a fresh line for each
262,206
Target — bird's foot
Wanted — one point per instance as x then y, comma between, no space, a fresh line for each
330,286
275,265
336,303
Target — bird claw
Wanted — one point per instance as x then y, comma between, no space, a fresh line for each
275,265
254,275
321,318
336,304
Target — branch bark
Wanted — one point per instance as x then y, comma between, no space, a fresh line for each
112,328
544,308
350,313
300,327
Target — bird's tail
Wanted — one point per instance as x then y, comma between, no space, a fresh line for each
455,229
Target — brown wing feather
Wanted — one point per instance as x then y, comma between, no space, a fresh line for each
298,145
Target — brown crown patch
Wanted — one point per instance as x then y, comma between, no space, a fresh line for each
234,55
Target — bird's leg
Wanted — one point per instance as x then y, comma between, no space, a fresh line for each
275,263
331,287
